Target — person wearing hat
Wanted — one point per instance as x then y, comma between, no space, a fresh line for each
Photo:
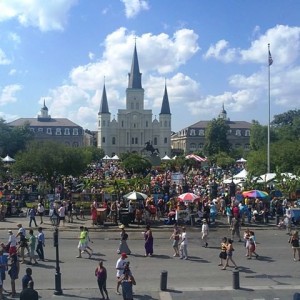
123,247
204,231
12,242
120,266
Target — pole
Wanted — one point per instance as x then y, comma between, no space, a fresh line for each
58,290
269,109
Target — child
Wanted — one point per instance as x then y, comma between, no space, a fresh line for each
252,245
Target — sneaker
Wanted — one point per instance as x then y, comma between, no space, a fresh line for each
78,256
118,293
294,259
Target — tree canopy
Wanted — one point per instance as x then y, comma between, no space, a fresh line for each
216,137
50,159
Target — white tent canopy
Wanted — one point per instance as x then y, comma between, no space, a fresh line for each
241,160
242,175
8,159
115,157
269,177
166,157
106,157
238,178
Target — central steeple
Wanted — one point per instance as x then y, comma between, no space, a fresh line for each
135,77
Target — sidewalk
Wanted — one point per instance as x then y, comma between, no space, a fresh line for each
11,224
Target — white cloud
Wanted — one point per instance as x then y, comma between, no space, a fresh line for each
285,47
3,59
134,7
7,94
87,80
46,15
221,51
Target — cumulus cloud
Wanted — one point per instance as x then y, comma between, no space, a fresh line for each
285,47
221,51
46,15
3,58
158,55
8,94
134,7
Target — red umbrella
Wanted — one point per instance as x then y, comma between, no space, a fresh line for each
188,197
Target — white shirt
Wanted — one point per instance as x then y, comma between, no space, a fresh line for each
205,229
120,266
62,211
184,239
12,240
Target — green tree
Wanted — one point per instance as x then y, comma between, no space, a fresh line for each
216,137
13,139
49,160
135,163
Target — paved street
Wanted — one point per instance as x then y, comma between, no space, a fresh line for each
274,275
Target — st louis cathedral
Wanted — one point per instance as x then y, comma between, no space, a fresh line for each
134,130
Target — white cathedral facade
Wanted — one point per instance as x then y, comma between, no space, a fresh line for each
134,129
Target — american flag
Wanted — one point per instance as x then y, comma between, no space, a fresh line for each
270,59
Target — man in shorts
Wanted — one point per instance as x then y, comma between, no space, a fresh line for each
120,266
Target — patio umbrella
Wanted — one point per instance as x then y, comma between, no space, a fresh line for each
255,194
188,197
135,196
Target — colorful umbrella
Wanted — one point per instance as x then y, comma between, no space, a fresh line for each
135,196
188,197
255,194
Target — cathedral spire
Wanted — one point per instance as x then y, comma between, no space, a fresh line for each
165,107
135,77
104,105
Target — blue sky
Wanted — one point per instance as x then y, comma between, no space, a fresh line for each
210,53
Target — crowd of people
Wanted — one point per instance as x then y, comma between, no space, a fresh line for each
12,254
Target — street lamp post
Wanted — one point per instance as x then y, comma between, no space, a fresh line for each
58,290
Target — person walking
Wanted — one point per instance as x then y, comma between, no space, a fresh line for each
12,243
120,266
252,245
294,241
235,228
175,236
82,243
123,247
183,244
127,281
40,244
148,241
41,211
23,244
13,272
3,267
223,253
101,275
29,293
88,240
229,252
32,214
32,244
204,231
62,214
26,278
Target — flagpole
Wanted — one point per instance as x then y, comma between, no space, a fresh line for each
270,61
